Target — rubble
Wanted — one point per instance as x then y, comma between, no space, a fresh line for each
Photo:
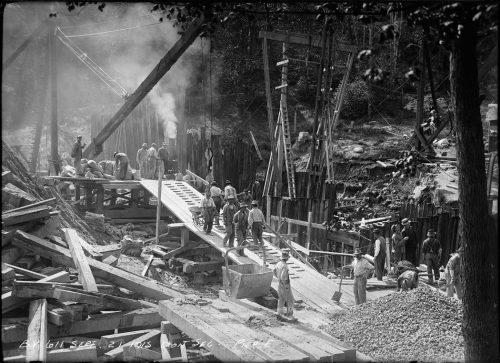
419,325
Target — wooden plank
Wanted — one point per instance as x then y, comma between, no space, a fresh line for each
147,340
304,39
146,268
47,202
134,353
141,318
111,260
11,254
9,219
256,146
87,247
105,251
221,345
8,273
84,273
141,285
58,316
37,331
111,340
202,266
164,344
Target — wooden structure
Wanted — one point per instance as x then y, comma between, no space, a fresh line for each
242,331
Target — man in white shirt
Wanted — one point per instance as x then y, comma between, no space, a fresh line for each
229,190
284,288
207,206
216,193
379,254
362,268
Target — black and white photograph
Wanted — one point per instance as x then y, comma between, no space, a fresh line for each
210,181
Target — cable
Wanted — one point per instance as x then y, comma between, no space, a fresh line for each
111,31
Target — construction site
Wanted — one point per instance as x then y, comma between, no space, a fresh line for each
108,255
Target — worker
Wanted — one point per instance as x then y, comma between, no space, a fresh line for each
229,190
245,197
284,289
408,280
410,239
152,157
207,206
256,223
453,274
398,244
431,249
77,153
107,167
122,167
228,213
379,253
216,193
95,169
163,155
83,167
240,221
141,158
89,174
362,269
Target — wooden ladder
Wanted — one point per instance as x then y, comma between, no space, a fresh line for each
290,173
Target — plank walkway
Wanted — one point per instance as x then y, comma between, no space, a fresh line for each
312,288
243,331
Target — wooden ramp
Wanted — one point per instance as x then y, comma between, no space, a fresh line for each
308,285
243,331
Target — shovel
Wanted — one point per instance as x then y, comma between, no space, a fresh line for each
337,294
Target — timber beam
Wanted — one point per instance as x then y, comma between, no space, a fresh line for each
304,39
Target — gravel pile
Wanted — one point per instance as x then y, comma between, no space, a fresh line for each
419,325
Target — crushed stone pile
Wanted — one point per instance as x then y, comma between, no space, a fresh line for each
419,325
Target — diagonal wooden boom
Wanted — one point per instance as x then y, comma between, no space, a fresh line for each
189,36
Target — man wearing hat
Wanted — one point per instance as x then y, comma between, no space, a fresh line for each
142,158
453,274
410,241
228,212
431,249
122,166
77,154
163,155
284,289
379,253
240,221
151,157
216,193
229,190
362,268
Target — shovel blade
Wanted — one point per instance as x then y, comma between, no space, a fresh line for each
336,296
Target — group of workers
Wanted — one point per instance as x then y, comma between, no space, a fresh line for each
147,159
405,248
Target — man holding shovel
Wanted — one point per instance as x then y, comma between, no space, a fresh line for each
362,268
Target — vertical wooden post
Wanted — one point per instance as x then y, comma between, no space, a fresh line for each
280,206
268,209
309,228
159,166
99,200
53,80
420,96
267,80
184,236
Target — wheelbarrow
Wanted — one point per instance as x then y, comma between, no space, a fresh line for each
245,281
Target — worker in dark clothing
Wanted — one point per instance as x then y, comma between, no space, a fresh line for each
77,154
228,212
410,241
240,221
431,249
379,253
163,155
121,165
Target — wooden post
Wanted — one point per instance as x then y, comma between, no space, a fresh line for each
159,166
99,202
268,208
36,349
309,228
54,139
267,80
88,197
184,237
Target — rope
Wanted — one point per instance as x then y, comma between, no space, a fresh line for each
111,31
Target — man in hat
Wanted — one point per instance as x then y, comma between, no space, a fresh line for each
453,274
207,206
410,241
379,253
216,193
142,158
77,153
240,221
362,269
431,249
256,225
284,289
228,212
229,190
122,166
163,155
152,157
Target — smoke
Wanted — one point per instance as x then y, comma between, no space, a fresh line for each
165,107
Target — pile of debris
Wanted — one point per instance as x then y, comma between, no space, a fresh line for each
419,325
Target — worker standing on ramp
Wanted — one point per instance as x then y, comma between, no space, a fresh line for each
207,206
163,155
229,190
284,289
241,225
152,156
228,213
